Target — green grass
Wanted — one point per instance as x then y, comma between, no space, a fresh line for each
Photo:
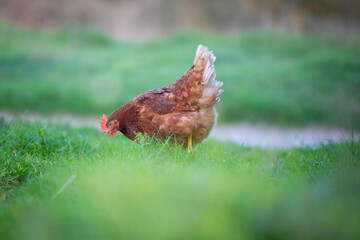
272,77
59,182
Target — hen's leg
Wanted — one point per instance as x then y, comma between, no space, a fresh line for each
190,143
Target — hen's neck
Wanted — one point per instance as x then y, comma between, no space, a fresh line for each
116,114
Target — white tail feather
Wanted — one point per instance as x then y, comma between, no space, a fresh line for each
211,93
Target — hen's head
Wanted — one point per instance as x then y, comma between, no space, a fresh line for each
109,127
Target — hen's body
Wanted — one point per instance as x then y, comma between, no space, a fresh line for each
184,108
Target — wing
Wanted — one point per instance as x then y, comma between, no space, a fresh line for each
145,108
156,101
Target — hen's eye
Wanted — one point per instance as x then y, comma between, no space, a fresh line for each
110,124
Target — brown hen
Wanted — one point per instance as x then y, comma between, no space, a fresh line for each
183,111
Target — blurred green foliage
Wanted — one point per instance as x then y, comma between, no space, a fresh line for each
268,77
102,187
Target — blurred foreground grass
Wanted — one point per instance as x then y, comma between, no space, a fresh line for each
59,182
270,77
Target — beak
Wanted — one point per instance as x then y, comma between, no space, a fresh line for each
106,132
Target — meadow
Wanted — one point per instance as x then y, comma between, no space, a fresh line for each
59,182
64,182
269,77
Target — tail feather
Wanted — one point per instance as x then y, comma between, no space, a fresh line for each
211,92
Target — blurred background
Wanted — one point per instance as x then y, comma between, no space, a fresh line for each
287,63
139,19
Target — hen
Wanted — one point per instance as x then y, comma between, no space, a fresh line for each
184,110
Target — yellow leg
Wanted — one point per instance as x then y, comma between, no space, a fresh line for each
190,143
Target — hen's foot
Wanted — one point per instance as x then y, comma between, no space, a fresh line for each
190,143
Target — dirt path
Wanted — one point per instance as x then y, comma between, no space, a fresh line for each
278,137
246,134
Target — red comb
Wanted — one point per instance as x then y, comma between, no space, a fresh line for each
103,122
